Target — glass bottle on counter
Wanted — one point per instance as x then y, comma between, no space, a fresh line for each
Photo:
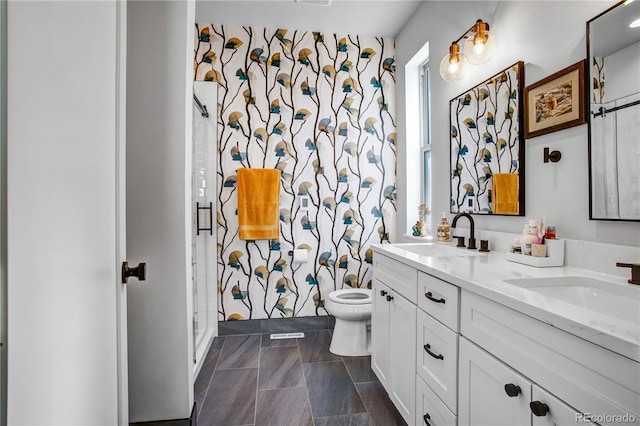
443,230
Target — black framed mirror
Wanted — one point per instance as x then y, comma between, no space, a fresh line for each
613,53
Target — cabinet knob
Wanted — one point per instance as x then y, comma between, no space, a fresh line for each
389,298
539,408
383,293
426,419
512,390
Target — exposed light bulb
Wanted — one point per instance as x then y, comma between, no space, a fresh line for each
454,67
478,48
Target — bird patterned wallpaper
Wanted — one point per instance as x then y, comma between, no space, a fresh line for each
321,109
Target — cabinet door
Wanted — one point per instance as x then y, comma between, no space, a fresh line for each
483,397
554,412
403,355
380,327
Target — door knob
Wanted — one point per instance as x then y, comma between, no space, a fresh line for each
139,271
383,293
389,298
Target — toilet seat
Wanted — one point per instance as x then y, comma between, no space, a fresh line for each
351,296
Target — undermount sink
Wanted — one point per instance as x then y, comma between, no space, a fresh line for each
436,250
618,301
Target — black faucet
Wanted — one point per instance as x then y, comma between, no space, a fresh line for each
472,239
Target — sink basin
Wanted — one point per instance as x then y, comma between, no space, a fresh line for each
436,250
611,299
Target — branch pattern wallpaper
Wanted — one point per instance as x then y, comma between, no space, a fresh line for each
321,109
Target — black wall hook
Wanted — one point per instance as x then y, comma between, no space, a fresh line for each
553,156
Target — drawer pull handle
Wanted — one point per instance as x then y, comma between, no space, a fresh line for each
512,390
539,408
426,419
383,293
427,348
429,296
389,298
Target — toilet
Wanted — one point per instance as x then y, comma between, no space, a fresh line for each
352,310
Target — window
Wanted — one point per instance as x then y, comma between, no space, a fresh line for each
425,134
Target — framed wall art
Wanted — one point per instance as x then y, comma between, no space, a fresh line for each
487,146
555,102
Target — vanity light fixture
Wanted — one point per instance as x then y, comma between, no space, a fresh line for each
479,47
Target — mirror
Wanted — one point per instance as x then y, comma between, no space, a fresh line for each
487,146
613,49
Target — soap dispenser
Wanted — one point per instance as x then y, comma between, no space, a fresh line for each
444,230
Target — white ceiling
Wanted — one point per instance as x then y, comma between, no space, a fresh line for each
382,18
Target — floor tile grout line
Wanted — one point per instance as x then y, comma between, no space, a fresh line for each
206,391
255,402
306,388
357,390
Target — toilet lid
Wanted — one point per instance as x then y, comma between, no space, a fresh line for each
351,296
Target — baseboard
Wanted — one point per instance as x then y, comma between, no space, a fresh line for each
276,325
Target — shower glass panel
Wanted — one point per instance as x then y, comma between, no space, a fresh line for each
203,249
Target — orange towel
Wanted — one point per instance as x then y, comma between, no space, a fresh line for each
259,204
505,193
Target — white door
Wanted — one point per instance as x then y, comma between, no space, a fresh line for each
66,304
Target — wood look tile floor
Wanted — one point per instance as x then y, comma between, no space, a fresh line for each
253,380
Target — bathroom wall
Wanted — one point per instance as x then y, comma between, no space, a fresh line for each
547,36
321,109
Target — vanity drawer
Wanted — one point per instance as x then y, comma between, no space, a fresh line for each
430,408
437,358
583,375
439,299
398,276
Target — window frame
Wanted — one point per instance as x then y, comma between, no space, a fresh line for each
425,134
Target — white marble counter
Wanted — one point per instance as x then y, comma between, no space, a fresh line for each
485,274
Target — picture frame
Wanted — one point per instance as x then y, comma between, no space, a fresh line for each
556,102
487,152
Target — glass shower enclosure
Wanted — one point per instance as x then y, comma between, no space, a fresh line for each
203,248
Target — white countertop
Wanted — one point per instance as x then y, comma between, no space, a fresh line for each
484,274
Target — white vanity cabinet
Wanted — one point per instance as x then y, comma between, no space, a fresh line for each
449,356
563,370
393,332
